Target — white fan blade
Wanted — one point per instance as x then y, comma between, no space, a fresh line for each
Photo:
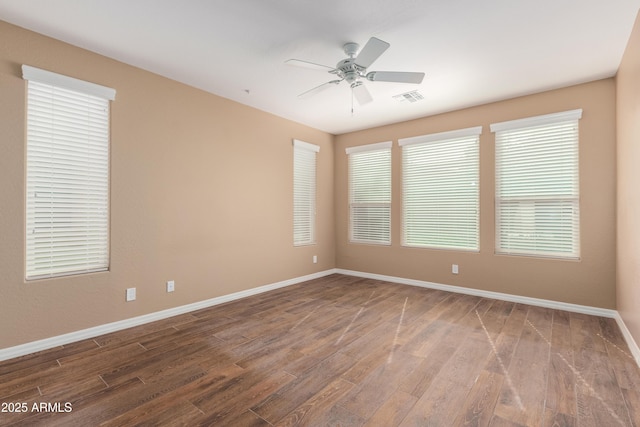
307,64
395,76
371,51
318,89
361,93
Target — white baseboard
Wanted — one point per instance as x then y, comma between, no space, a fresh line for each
633,346
594,311
47,343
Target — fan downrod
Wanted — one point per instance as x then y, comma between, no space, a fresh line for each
347,69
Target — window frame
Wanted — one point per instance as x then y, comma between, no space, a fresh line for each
67,153
304,192
541,205
378,235
446,145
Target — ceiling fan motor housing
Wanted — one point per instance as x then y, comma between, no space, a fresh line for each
349,70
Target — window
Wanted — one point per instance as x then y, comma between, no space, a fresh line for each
304,193
537,186
440,196
67,200
370,193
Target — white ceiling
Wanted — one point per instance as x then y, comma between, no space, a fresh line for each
472,51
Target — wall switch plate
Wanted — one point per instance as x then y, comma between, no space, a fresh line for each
131,294
171,286
454,268
315,259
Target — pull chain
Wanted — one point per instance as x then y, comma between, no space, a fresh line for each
351,102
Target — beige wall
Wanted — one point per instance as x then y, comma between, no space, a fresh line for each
590,281
628,114
189,167
201,193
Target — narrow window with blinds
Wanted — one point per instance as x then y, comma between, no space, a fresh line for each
370,193
67,190
537,186
304,193
440,190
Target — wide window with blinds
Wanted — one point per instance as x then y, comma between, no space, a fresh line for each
370,193
304,193
67,200
440,190
537,186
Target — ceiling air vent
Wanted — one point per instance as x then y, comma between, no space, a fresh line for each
413,96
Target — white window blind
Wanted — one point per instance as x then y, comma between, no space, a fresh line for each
537,186
304,192
370,193
67,201
440,196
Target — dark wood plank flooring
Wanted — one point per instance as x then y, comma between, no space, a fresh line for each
338,351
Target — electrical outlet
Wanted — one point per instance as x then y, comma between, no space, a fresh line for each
131,294
454,268
315,259
171,286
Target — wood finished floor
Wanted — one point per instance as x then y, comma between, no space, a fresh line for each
340,351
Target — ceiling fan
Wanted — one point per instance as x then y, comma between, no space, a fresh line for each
354,70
